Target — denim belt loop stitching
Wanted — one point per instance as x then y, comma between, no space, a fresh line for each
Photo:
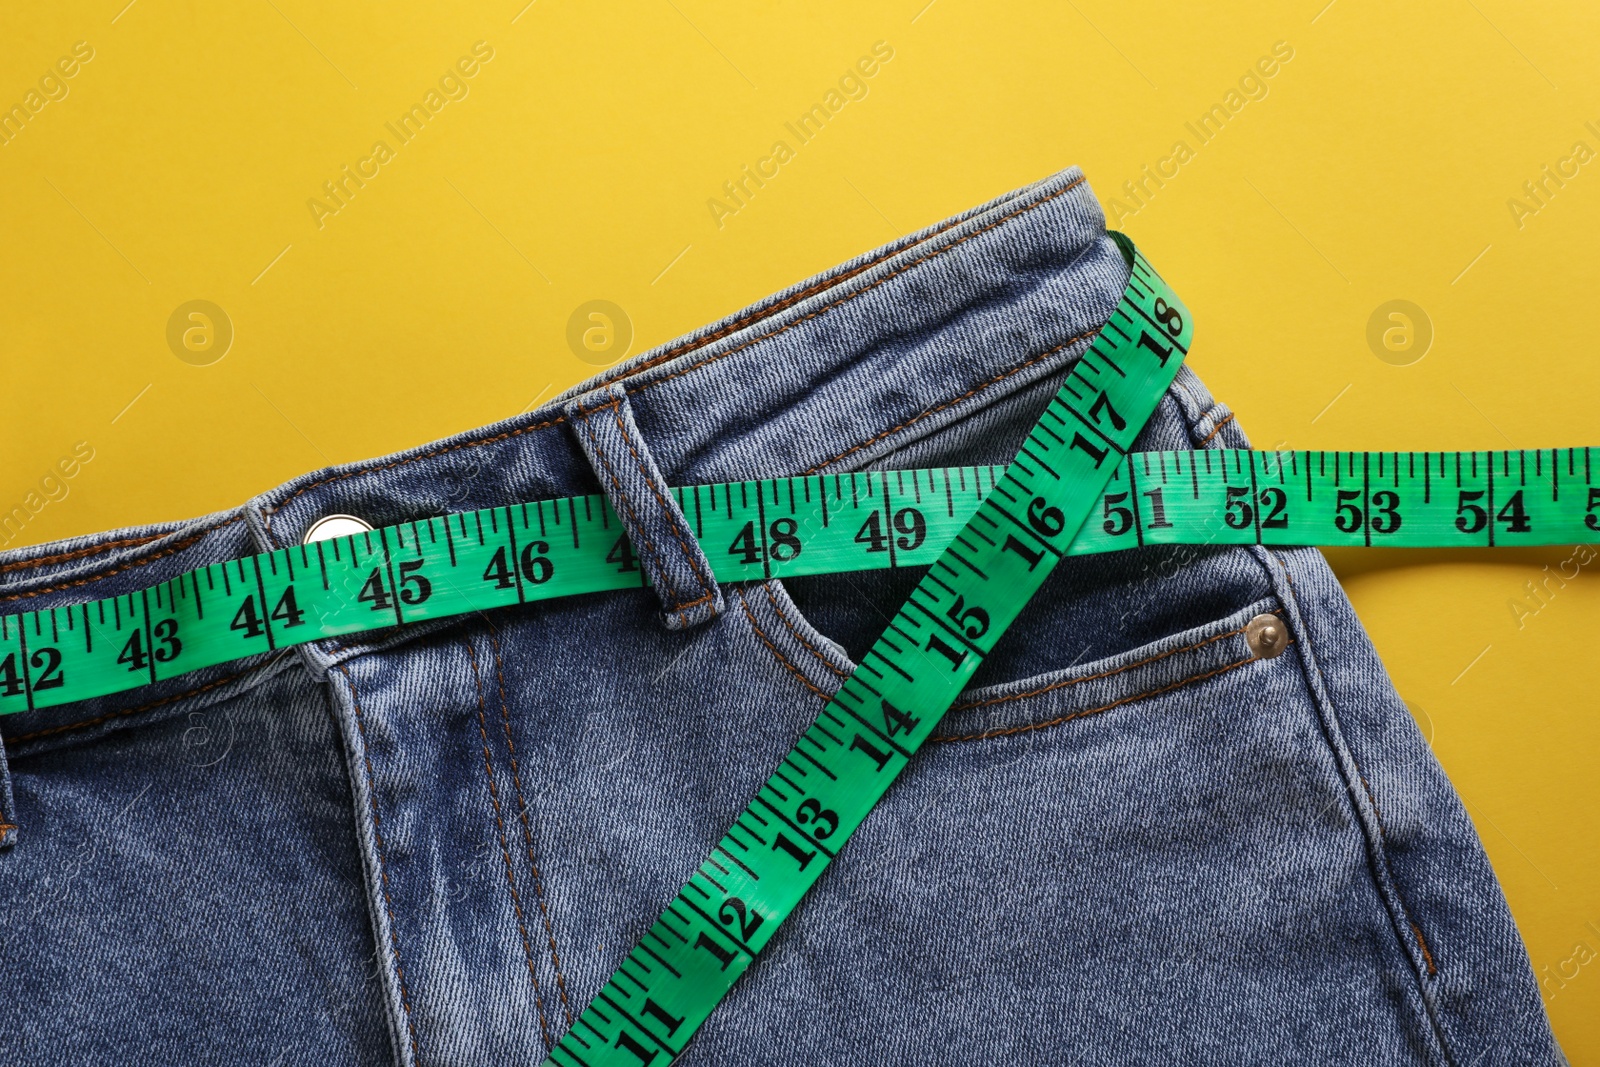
603,424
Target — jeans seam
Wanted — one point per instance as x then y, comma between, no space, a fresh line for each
1067,683
505,851
383,873
108,716
821,286
1383,835
269,511
561,418
995,379
527,831
1086,712
1215,429
798,636
1385,881
788,664
1386,884
856,292
79,553
119,568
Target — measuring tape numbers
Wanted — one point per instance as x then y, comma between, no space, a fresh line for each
835,774
777,528
988,536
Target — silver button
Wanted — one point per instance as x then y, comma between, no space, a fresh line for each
1266,635
334,526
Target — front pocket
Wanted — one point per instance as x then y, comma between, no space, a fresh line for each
1056,698
1039,702
1099,864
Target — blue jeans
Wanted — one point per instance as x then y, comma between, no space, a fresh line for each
1130,842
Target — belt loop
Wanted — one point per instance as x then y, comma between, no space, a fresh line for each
672,559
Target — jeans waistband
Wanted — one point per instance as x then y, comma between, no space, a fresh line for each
827,375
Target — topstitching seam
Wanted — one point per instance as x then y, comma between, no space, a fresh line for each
1067,683
980,387
383,873
1216,429
1377,851
119,568
816,691
757,315
98,719
527,832
87,550
505,851
1084,712
561,418
857,292
789,624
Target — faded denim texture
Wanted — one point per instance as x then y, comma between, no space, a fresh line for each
1130,842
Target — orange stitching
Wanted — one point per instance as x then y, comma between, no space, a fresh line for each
88,550
505,853
980,387
677,531
527,832
1379,853
169,550
627,502
142,707
1214,430
383,873
1068,683
1426,955
1377,814
690,346
774,649
797,636
852,295
635,370
399,463
1028,727
4,826
783,305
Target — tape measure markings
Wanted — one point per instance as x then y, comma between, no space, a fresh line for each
891,702
779,528
1070,490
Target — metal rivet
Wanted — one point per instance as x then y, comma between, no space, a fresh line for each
1266,635
337,526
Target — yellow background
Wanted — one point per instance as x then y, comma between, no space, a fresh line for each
1378,166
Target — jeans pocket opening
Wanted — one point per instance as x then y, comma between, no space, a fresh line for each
1055,698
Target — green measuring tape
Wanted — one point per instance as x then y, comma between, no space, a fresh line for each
842,765
990,536
777,528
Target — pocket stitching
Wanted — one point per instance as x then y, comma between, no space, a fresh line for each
776,651
1067,683
1085,712
798,636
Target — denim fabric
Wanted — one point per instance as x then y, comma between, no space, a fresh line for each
1130,842
669,555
